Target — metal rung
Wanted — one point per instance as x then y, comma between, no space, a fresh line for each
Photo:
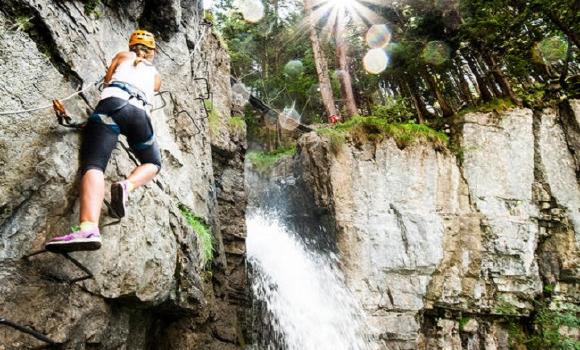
88,273
207,89
27,330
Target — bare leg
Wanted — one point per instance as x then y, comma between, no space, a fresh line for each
92,195
142,174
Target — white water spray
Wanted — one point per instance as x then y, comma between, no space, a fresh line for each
304,294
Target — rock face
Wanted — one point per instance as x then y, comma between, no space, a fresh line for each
151,288
443,251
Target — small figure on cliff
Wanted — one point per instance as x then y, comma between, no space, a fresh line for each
124,108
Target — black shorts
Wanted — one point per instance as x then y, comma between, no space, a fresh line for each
102,131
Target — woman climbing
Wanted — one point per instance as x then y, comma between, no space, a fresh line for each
124,108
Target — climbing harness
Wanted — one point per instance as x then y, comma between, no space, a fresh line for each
65,120
132,91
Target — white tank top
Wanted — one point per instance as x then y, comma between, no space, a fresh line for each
141,76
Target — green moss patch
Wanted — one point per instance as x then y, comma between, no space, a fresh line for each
262,161
376,129
213,117
237,124
202,231
496,105
551,326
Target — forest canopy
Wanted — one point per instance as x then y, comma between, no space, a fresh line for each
411,60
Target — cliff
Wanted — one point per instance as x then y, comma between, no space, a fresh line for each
466,249
153,286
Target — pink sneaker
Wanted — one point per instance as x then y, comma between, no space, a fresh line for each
119,197
78,240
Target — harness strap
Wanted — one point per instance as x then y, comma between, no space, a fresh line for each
131,90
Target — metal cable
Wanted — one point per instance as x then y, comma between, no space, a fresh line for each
50,105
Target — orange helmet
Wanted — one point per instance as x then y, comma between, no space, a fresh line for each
142,37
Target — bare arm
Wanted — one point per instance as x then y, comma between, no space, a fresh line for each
120,57
157,83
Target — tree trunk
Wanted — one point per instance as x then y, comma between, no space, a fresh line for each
434,86
487,76
321,65
409,84
342,63
501,79
486,95
463,84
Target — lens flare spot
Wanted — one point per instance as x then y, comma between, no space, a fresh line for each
436,53
251,10
550,50
378,36
240,94
375,61
289,119
294,68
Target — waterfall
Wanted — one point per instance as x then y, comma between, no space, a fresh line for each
299,293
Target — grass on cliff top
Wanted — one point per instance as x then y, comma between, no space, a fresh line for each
262,161
495,105
376,129
203,233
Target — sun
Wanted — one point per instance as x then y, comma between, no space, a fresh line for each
328,13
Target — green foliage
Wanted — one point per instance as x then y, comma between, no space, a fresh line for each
237,124
375,129
395,110
90,7
504,307
208,16
496,105
548,288
263,161
23,23
462,322
533,96
550,50
548,323
548,326
203,233
213,118
442,56
436,53
337,138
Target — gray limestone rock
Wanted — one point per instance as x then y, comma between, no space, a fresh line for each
425,237
150,262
